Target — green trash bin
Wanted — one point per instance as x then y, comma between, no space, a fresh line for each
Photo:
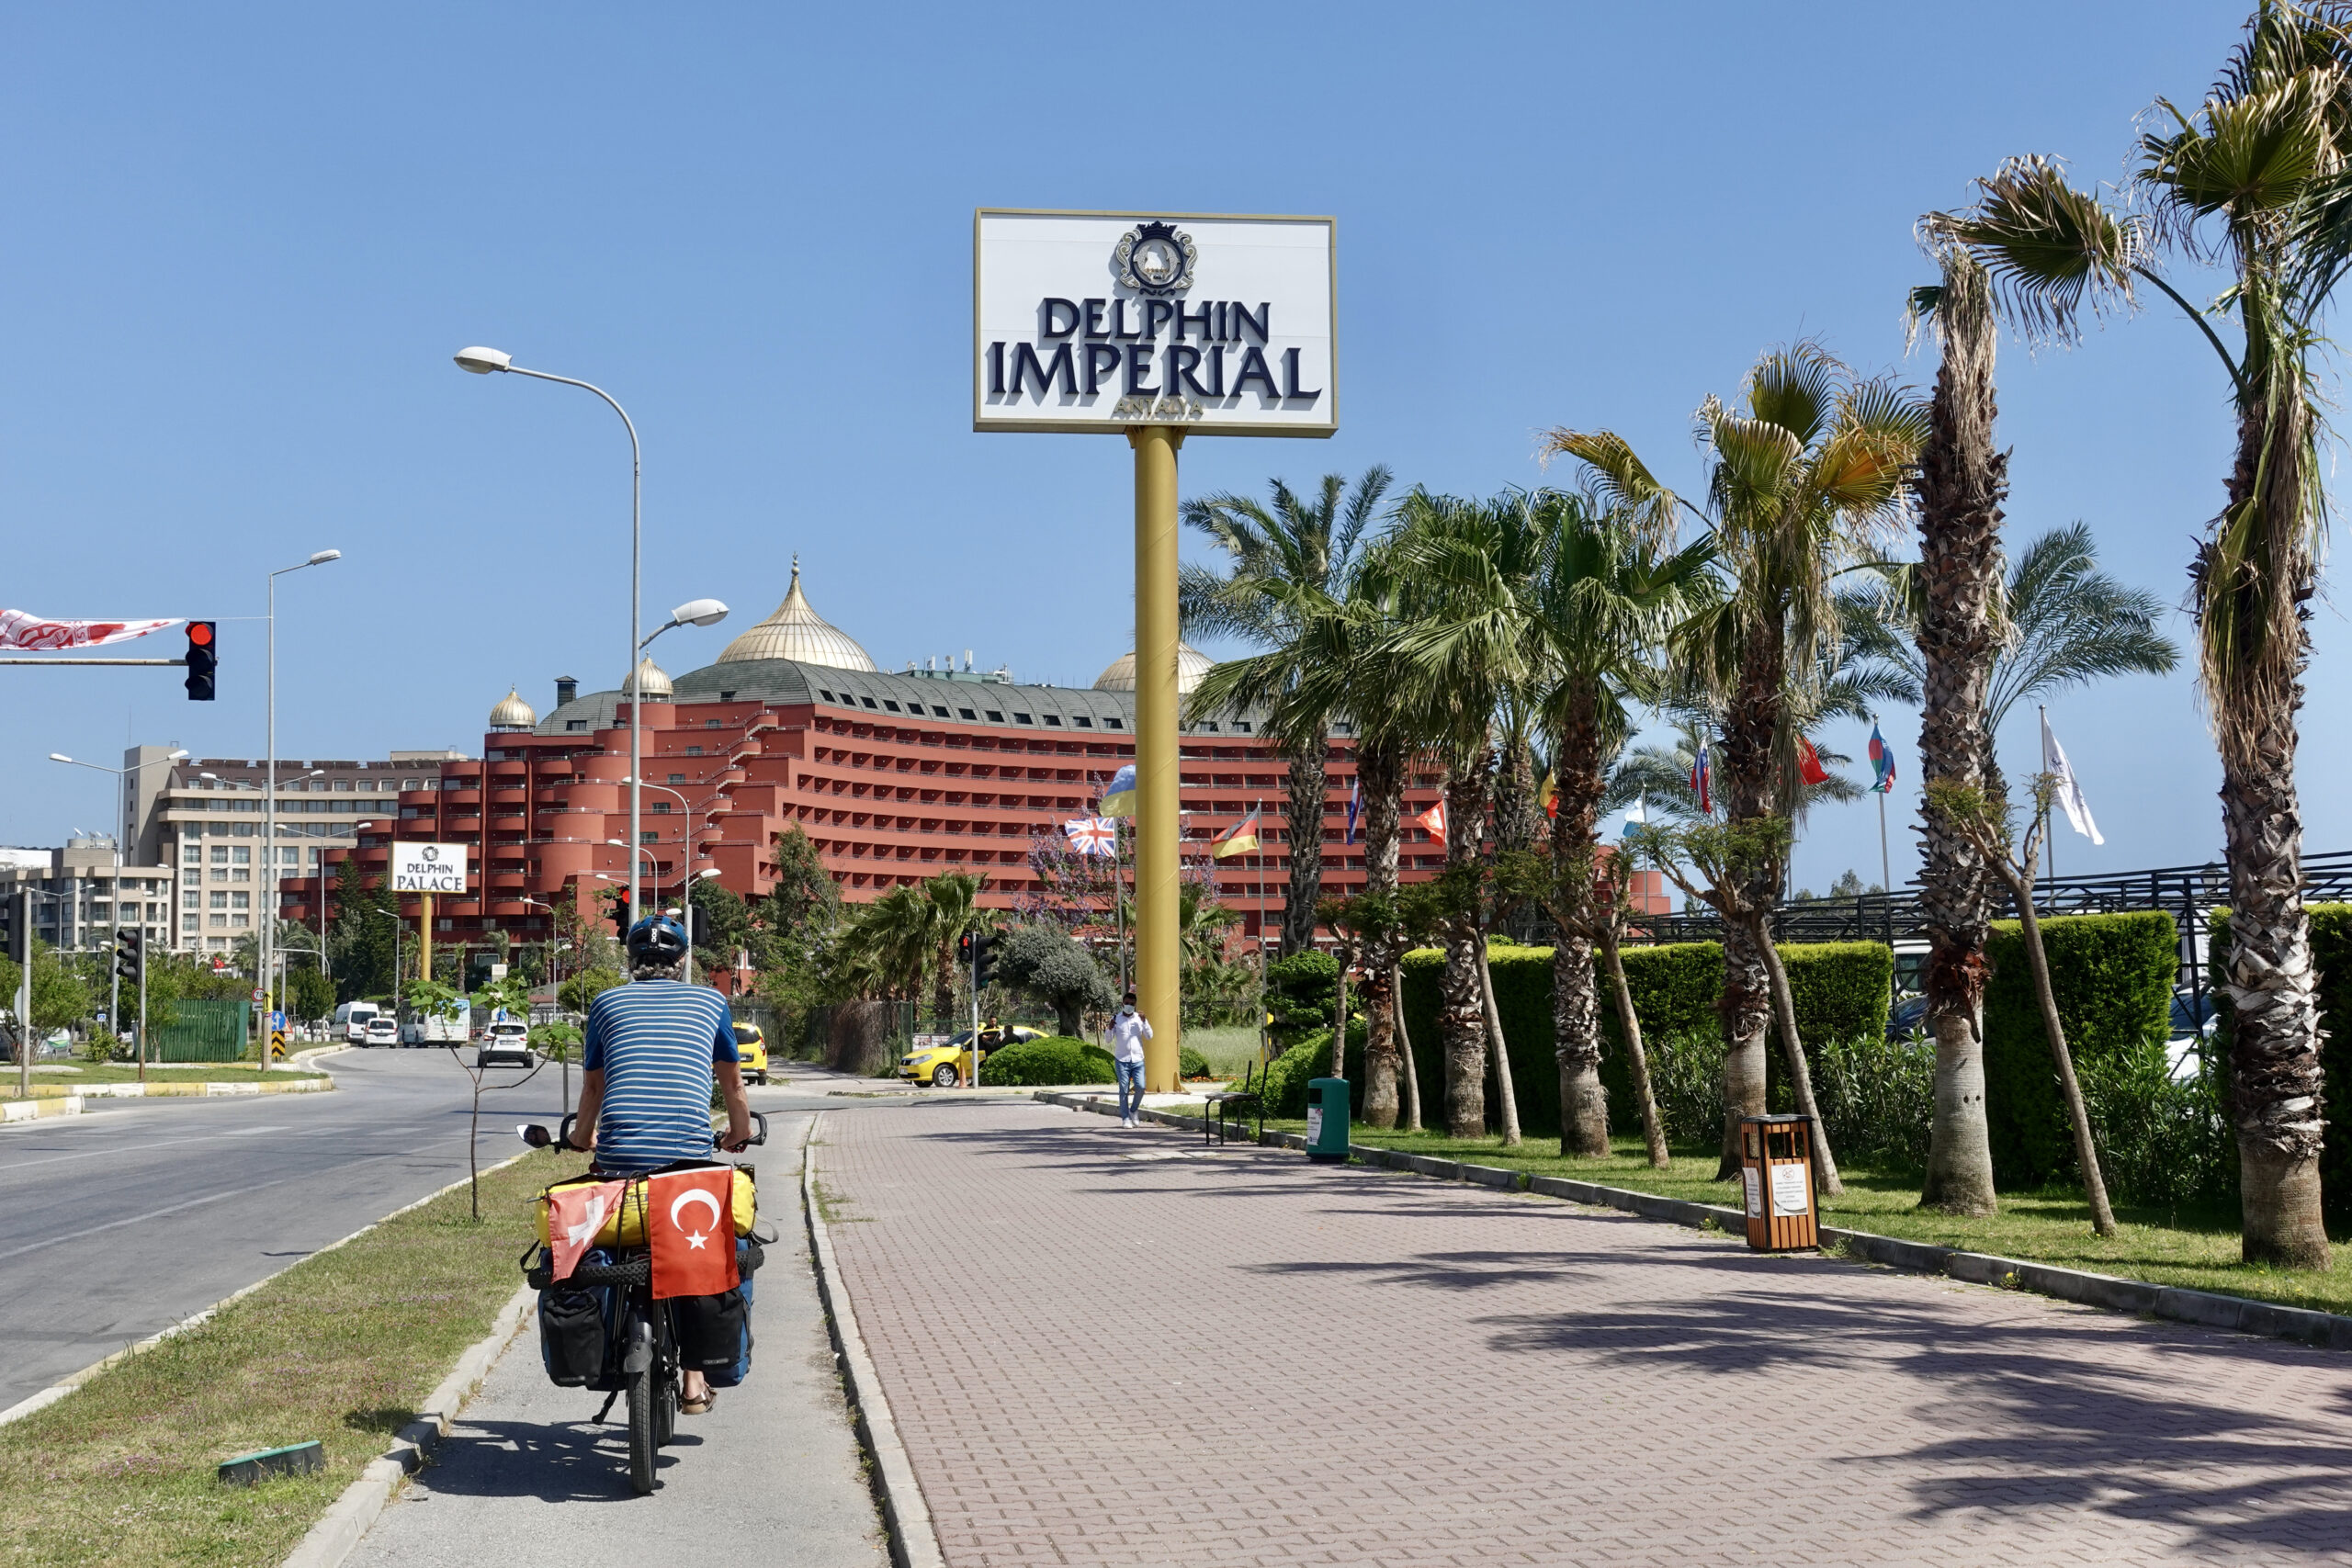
1326,1119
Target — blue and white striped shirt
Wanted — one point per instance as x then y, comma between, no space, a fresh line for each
655,1042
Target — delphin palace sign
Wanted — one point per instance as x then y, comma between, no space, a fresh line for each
1099,322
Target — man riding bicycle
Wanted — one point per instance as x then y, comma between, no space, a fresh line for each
653,1048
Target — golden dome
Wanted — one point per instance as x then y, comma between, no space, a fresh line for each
513,713
652,682
797,633
1191,665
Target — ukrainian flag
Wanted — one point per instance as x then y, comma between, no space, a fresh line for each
1119,800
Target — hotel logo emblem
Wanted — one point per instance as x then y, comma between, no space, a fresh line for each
1155,259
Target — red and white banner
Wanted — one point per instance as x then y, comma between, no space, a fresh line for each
20,628
690,1225
574,1217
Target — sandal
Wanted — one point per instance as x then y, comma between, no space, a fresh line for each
698,1406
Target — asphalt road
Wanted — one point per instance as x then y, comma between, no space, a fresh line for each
118,1222
770,1476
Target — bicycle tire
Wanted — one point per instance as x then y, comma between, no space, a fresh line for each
637,1269
642,1448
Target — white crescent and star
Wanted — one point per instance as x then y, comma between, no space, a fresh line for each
696,1195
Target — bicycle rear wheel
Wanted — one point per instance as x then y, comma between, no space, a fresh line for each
643,1396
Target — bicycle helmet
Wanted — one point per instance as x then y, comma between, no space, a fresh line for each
657,938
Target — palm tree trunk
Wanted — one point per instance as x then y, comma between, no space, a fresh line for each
2254,645
1340,1022
1502,1049
1304,825
1461,1022
1799,1076
1380,777
1960,485
2086,1151
1405,1044
1750,795
1576,996
1653,1134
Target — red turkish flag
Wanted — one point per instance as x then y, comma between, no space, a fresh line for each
574,1216
690,1223
1434,820
1809,766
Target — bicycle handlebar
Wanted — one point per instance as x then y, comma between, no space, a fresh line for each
538,1137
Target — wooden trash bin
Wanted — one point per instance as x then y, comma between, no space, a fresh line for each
1776,1166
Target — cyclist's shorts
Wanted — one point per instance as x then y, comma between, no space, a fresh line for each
624,1226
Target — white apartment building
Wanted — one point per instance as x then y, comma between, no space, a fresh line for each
86,894
202,819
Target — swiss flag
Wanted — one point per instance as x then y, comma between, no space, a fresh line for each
574,1216
690,1223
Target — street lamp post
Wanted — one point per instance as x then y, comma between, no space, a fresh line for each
269,800
393,916
122,814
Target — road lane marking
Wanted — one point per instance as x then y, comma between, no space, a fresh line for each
138,1219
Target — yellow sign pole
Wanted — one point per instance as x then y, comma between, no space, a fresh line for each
1159,992
425,941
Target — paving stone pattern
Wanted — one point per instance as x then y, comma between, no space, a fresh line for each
1102,1347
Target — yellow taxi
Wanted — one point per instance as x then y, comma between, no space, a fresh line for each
950,1063
752,1053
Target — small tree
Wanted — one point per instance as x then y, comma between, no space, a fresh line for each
577,992
1733,860
1985,823
1058,971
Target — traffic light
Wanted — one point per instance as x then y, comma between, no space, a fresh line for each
983,959
696,920
129,955
620,915
17,929
203,654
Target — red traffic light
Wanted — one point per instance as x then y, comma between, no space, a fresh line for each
201,633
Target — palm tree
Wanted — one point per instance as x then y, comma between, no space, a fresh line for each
2256,175
951,907
1296,543
1804,473
1328,666
2059,622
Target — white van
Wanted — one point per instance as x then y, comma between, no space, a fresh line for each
351,1021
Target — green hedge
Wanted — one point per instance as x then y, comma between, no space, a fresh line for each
1056,1059
2112,976
2331,955
1310,1057
1301,991
1191,1064
1842,991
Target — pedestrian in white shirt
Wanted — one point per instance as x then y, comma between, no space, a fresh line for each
1129,1029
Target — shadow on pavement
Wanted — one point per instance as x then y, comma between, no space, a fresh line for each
576,1463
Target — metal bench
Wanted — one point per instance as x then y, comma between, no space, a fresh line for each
1242,1101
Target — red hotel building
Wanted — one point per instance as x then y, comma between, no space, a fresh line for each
893,777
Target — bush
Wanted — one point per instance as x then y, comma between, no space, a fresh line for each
2112,976
1301,991
1056,1059
2163,1142
1191,1064
1841,989
1288,1075
1686,1080
1877,1098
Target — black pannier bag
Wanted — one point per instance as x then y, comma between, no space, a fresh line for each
571,1336
714,1334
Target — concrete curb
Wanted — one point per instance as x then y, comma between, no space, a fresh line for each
913,1543
58,1391
19,1112
338,1533
2206,1309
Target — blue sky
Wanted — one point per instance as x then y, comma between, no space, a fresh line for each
243,243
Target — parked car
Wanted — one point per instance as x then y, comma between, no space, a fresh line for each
949,1063
381,1031
351,1020
1907,1018
752,1053
508,1042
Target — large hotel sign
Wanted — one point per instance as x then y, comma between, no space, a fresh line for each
428,868
1101,321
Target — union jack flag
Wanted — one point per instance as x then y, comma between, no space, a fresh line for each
1094,835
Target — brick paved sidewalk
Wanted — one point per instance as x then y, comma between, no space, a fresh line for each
1102,1348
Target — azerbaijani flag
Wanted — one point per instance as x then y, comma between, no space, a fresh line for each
1882,763
1809,766
1238,839
1119,799
1699,779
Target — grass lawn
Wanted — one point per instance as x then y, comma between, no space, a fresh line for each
1227,1049
342,1347
2053,1226
51,1080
